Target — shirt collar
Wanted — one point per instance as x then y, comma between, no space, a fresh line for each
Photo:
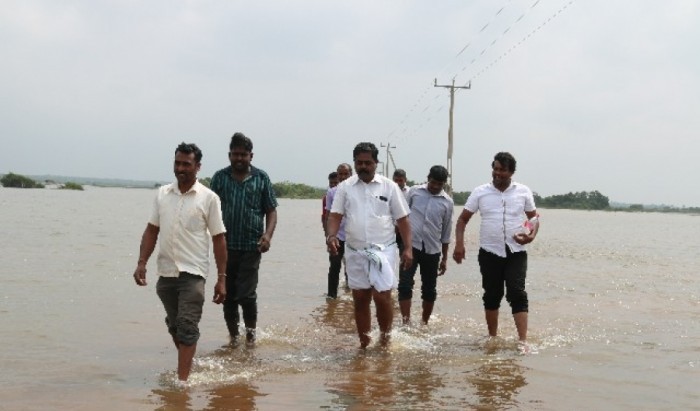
512,185
442,193
174,188
375,179
253,171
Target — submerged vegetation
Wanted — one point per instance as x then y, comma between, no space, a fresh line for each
19,181
69,185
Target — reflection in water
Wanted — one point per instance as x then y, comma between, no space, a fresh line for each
383,380
230,397
418,384
395,378
173,400
338,314
233,397
365,381
498,381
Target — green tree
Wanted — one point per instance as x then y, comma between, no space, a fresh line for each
19,181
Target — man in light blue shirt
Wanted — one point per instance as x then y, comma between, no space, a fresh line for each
344,171
431,226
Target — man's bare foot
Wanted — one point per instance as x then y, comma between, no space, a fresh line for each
364,341
384,339
250,337
233,341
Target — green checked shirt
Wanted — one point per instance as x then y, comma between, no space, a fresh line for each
243,206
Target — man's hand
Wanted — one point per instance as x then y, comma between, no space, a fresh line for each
407,258
443,266
522,238
140,275
333,244
220,290
458,253
264,243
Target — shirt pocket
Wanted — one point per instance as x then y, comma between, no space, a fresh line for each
194,220
251,197
380,207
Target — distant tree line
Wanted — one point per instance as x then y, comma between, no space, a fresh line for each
583,200
287,189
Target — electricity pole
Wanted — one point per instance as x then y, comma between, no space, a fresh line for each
388,154
449,130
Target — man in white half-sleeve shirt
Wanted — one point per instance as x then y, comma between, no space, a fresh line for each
185,215
504,205
370,204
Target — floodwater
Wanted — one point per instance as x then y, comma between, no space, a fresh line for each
614,320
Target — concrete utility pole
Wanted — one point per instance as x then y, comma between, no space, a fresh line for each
449,130
388,156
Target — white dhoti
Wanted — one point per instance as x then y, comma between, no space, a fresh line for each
371,267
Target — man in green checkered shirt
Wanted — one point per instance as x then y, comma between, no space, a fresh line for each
246,197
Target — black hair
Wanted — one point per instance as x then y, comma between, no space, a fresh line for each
346,165
332,175
366,148
438,173
506,159
400,172
240,140
189,149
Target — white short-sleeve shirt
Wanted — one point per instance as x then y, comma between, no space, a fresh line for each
502,215
369,210
187,221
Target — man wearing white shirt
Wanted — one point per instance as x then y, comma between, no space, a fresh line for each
370,204
504,205
185,214
431,228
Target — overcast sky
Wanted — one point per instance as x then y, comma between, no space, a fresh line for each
587,94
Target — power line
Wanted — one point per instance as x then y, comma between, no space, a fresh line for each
444,69
519,43
406,132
